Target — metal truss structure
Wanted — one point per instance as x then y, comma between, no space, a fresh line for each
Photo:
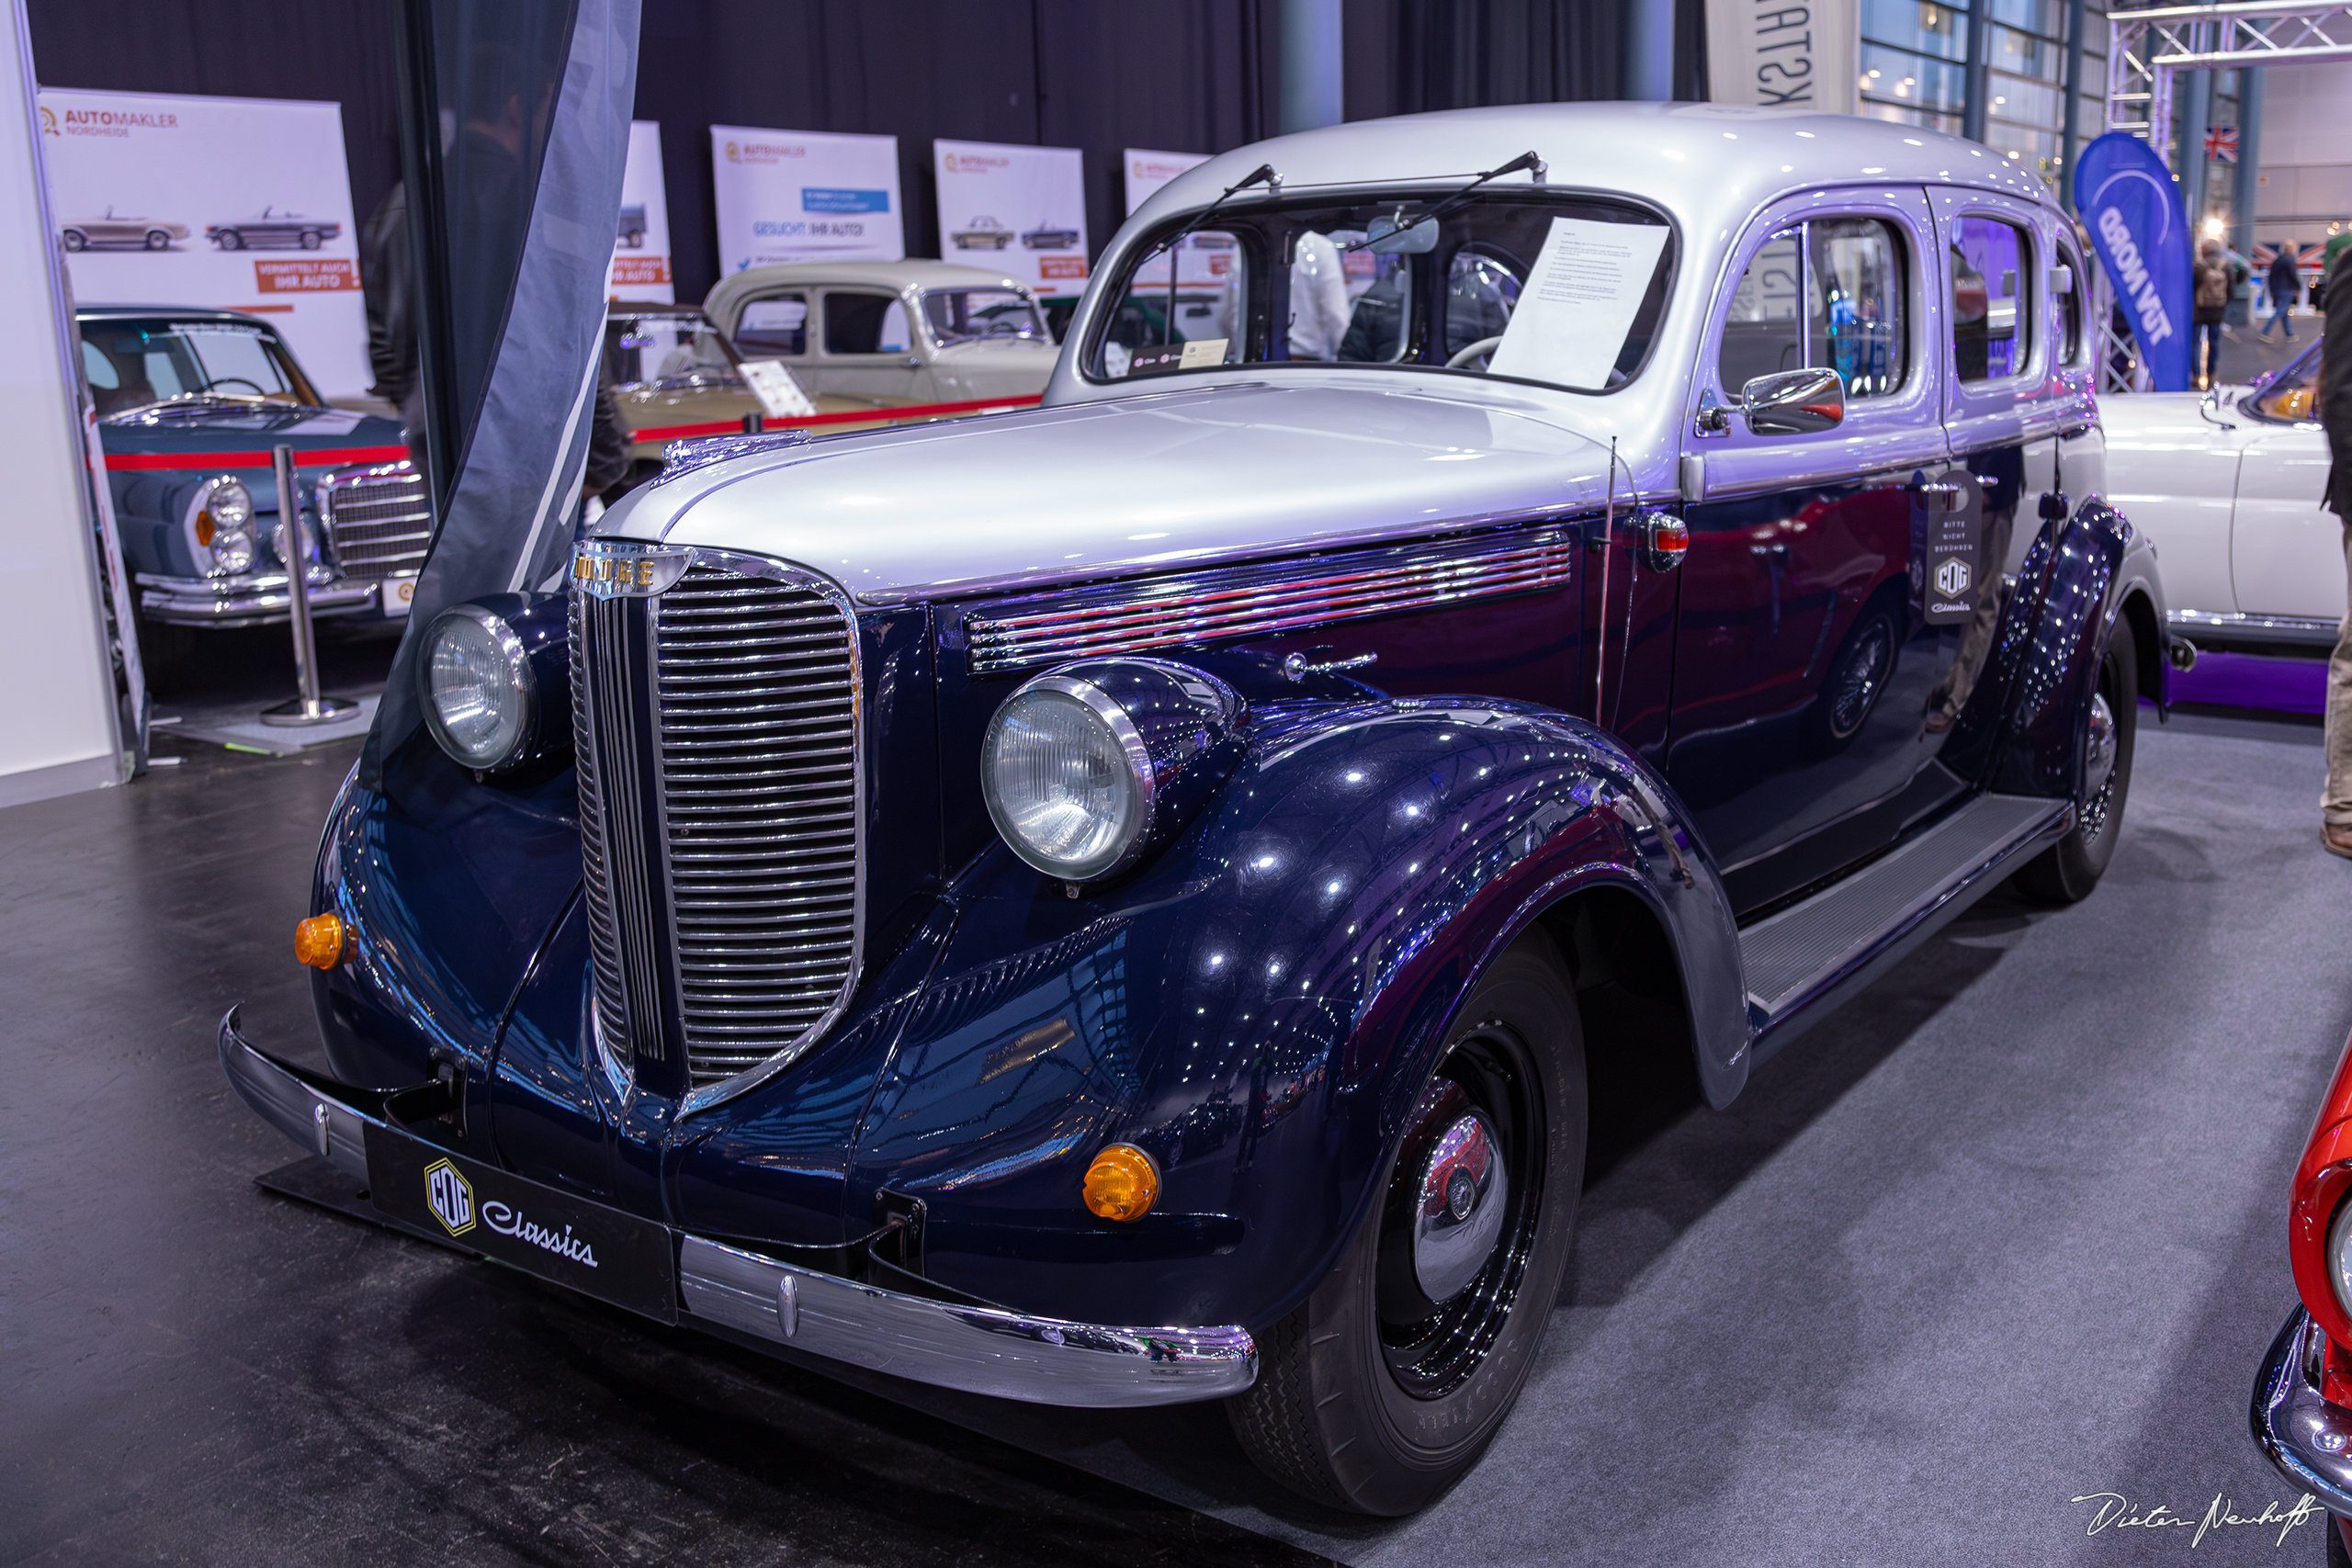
2145,50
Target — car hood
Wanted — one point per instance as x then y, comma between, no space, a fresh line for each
1129,485
245,430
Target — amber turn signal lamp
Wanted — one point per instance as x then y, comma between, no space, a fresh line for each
1122,1182
318,941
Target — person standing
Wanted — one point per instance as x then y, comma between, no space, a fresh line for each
2285,286
2212,302
2333,405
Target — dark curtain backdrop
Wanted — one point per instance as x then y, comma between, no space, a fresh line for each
1179,75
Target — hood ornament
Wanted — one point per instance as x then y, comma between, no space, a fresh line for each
626,568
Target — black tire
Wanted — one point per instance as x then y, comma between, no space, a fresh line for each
230,240
310,238
158,241
75,239
1361,1404
2067,870
1856,678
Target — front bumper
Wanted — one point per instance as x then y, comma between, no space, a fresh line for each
2307,1438
253,600
981,1350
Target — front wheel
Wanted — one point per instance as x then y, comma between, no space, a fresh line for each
230,240
75,239
158,241
2068,870
310,238
1384,1388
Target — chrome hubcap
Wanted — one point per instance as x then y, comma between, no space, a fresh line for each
2099,756
1458,1212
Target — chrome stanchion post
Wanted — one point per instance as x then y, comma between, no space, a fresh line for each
309,707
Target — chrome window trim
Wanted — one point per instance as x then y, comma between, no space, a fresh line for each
1221,603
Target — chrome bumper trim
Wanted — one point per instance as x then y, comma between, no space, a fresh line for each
245,601
2305,1438
1042,1361
314,1119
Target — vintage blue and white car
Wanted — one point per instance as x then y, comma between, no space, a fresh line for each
1111,905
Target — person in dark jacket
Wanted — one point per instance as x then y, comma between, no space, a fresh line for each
2285,286
2211,302
2334,406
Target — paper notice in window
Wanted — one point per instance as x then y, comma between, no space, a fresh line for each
780,396
1578,303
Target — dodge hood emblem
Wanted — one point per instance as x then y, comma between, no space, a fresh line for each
623,568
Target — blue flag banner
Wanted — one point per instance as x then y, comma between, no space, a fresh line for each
2127,200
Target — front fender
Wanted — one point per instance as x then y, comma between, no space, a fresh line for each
2054,656
1256,1006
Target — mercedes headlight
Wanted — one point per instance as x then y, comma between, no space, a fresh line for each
220,526
1090,766
480,695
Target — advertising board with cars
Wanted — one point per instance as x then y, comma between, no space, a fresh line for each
1016,209
641,239
240,204
791,196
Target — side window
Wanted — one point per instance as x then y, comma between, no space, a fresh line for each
99,368
778,324
864,324
1830,293
2070,306
1992,327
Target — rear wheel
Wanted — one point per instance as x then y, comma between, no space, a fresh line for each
75,239
231,239
2069,869
157,240
310,238
1384,1388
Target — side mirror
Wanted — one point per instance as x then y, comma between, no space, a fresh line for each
1794,403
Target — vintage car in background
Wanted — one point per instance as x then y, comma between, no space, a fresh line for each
113,229
2228,485
272,226
2303,1396
631,231
675,377
1109,905
1044,237
902,331
189,404
985,234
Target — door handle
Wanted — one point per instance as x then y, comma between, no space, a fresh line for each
1938,495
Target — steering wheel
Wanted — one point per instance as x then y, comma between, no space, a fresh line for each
220,381
1479,350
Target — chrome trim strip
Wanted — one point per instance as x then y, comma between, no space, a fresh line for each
1042,1361
2307,1440
2311,629
1256,600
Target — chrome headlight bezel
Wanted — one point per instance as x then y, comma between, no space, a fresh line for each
517,745
1171,726
218,524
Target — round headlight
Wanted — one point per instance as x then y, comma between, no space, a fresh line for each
2339,1256
229,502
478,694
1066,778
232,550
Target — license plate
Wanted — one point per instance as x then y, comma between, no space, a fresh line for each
588,1246
400,592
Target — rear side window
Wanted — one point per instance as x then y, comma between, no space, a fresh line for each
864,324
2070,303
1828,292
1992,326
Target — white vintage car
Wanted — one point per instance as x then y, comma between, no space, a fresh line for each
2228,485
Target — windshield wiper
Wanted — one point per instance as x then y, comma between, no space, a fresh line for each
1527,161
1262,175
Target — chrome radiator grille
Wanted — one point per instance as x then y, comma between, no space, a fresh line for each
719,815
377,519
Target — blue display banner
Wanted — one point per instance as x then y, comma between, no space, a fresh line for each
813,199
2128,203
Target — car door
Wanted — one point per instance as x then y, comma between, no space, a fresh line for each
1805,671
866,348
2286,551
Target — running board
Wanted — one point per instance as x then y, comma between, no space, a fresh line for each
1817,952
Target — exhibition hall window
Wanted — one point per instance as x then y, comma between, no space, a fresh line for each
1991,327
777,324
1444,283
864,324
1828,292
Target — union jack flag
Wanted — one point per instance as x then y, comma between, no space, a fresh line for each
2222,144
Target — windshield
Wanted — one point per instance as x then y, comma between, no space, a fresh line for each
1560,290
135,364
666,350
2286,397
968,315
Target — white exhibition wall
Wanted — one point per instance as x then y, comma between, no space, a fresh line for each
59,736
2306,178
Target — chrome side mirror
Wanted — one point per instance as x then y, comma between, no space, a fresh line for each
1794,403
